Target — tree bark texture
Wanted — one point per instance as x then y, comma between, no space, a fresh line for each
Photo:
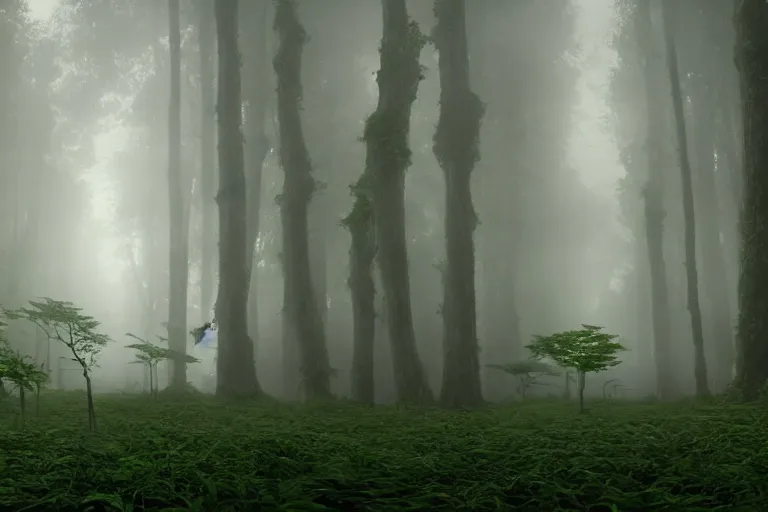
298,187
388,156
235,368
456,150
751,19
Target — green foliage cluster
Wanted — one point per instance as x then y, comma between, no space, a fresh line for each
587,349
64,322
201,455
20,372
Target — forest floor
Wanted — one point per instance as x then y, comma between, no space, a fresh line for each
200,455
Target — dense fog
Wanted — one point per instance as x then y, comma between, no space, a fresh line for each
577,187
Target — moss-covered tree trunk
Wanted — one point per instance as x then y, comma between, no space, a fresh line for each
455,147
207,44
361,257
388,156
691,267
303,311
254,14
752,59
179,222
235,368
653,204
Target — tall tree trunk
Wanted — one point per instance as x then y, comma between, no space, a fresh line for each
207,42
291,357
256,143
318,252
388,156
653,204
691,270
299,185
361,257
751,18
456,141
179,223
235,368
729,187
713,265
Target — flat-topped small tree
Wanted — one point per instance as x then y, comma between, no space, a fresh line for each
587,350
64,322
150,354
527,372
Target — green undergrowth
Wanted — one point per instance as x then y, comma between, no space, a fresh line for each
542,456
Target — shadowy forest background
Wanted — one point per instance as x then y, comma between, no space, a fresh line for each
124,192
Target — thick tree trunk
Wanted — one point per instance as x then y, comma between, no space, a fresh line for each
256,143
388,156
318,253
179,222
235,368
752,58
207,43
691,270
654,207
291,360
299,185
361,257
456,141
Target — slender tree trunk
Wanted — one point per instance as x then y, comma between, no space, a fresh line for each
256,143
157,388
207,42
23,406
298,187
361,257
691,270
151,381
456,141
714,269
388,156
751,19
235,368
89,398
179,229
654,207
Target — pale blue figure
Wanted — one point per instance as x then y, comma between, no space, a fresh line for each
207,337
206,348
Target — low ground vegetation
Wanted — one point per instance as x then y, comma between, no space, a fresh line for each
198,454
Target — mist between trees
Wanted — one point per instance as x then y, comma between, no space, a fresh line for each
382,219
